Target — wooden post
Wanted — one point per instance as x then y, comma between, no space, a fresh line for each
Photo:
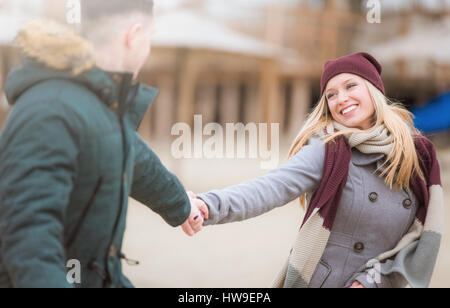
229,107
253,105
270,95
270,92
164,106
270,88
301,98
206,100
187,71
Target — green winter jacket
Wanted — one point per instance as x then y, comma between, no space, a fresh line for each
70,157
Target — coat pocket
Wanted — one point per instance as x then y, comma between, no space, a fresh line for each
72,236
323,270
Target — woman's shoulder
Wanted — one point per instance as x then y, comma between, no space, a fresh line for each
313,151
316,140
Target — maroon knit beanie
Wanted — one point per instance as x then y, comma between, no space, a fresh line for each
361,64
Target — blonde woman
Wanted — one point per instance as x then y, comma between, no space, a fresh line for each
369,183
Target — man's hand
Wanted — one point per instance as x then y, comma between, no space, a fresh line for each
199,212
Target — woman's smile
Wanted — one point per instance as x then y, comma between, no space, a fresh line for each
350,110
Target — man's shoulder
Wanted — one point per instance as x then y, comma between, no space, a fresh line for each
59,96
62,90
55,100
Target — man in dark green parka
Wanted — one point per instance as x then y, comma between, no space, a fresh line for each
69,153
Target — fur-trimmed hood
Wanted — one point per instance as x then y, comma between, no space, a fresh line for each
56,46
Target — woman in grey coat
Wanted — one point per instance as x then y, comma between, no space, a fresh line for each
376,207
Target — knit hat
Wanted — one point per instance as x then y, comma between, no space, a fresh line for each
361,64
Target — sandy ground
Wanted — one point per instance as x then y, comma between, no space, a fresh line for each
244,254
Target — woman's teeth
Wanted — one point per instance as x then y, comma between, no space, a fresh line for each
349,109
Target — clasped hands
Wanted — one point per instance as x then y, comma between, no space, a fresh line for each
199,212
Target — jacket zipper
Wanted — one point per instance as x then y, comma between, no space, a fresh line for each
129,261
122,109
108,279
86,208
121,180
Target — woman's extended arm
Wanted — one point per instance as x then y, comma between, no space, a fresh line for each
301,174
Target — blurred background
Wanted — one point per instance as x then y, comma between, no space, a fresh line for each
260,61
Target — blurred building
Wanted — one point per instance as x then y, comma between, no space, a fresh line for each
260,61
229,86
263,67
413,44
201,66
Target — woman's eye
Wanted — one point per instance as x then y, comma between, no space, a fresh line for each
330,96
351,85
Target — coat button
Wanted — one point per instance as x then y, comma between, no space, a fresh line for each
105,93
116,78
112,251
407,203
115,106
358,247
373,196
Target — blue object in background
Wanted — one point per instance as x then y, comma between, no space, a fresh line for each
434,116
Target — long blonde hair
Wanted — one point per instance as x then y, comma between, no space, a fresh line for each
402,159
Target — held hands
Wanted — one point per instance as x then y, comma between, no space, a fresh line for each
199,212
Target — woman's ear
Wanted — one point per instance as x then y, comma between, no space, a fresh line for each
133,32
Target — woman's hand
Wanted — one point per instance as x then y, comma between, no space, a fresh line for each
203,208
199,212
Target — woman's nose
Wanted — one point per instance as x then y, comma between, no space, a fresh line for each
342,97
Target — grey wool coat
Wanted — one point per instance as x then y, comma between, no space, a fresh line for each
371,218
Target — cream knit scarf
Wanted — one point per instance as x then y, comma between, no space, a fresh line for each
377,140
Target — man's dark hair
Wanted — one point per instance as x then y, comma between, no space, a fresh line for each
96,9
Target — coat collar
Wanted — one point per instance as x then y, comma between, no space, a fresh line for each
362,159
115,89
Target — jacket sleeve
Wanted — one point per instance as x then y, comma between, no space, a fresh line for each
38,152
301,174
157,188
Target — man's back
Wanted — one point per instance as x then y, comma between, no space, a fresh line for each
69,159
